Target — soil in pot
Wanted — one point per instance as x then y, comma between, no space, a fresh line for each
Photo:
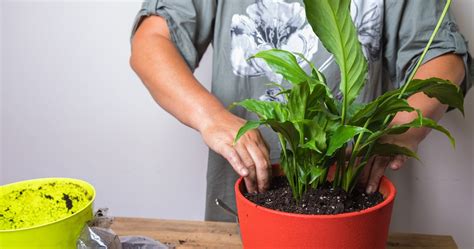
323,200
33,206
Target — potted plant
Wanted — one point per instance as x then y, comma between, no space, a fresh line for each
315,131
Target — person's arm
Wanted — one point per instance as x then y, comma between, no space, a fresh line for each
162,69
449,66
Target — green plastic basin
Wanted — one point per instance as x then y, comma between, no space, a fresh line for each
61,233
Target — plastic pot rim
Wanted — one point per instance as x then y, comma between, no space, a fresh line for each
390,196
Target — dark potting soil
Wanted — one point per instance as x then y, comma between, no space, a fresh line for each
323,200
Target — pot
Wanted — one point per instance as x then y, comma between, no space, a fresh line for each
266,228
58,234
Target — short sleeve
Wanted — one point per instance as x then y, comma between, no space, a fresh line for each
408,26
190,22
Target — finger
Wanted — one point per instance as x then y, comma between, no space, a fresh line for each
364,176
266,153
264,149
244,155
376,173
251,179
263,168
398,162
262,144
231,155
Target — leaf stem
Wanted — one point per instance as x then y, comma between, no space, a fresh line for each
422,57
343,118
355,150
425,51
340,167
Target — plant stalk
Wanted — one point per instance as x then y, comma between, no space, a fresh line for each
418,64
430,41
355,150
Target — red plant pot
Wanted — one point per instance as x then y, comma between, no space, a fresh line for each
261,227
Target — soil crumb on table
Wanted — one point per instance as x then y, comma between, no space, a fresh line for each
36,204
323,200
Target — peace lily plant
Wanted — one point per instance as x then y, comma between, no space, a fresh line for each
315,129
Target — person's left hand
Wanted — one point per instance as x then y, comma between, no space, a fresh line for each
375,168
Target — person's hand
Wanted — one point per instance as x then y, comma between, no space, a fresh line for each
375,168
249,156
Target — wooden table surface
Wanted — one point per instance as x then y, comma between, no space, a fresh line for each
200,234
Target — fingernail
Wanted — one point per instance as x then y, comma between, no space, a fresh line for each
370,189
244,171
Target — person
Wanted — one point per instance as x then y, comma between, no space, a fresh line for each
170,37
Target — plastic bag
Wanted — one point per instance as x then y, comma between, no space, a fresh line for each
98,235
140,242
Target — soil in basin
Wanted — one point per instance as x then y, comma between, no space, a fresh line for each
323,200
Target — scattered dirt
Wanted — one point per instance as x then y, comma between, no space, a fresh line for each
324,200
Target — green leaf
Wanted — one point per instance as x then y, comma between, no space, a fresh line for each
443,90
319,82
341,136
369,109
284,63
311,144
392,150
423,122
333,24
315,73
250,125
315,173
303,175
273,84
297,101
316,135
321,92
379,109
417,123
264,109
352,109
284,92
356,174
364,113
390,107
287,130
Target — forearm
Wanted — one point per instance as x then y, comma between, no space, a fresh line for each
448,66
164,72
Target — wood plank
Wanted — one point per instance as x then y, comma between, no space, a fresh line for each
182,234
203,234
420,241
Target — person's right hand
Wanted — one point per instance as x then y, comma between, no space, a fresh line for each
249,156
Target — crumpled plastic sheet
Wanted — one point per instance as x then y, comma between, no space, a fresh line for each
98,235
140,242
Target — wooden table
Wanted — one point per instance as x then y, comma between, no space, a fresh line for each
200,234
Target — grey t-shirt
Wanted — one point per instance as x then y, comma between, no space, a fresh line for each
393,34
